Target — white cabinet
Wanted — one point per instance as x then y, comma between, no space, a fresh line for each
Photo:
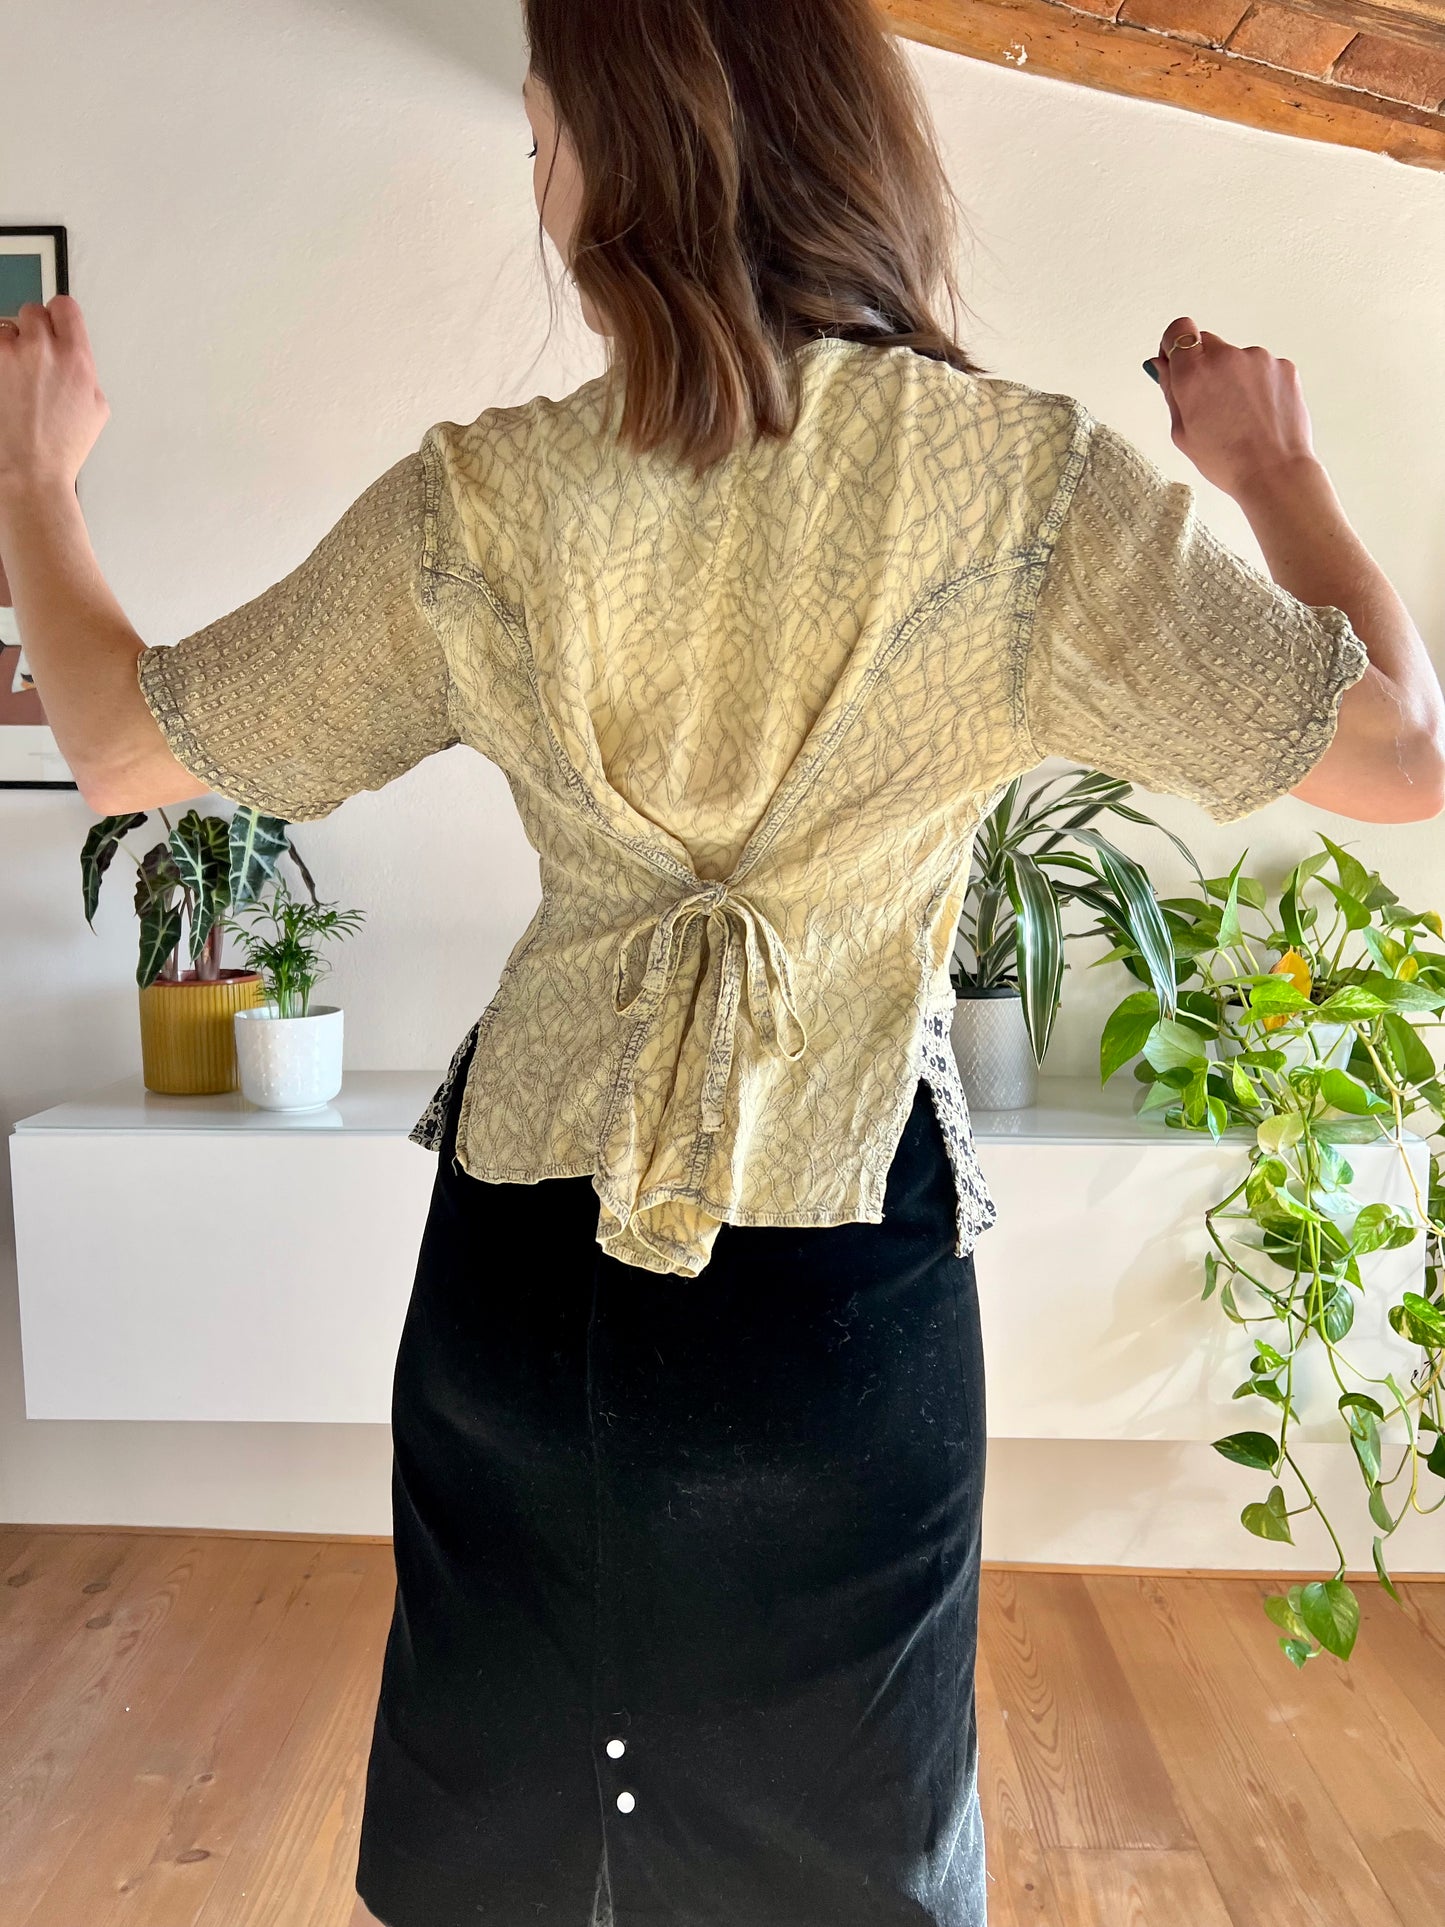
1090,1282
199,1258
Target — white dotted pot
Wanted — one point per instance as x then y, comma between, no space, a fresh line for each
995,1058
1318,1047
289,1063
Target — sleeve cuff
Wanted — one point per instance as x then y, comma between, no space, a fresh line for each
1340,666
153,675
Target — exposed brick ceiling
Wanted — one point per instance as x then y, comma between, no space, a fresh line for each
1361,73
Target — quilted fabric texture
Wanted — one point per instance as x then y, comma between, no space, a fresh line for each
751,722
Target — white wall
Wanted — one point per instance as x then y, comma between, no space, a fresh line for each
300,234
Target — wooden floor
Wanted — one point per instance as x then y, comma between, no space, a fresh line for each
184,1724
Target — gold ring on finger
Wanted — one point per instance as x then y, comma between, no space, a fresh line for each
1185,341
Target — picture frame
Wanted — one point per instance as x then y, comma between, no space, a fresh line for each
34,266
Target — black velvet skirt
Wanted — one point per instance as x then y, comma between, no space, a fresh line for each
686,1571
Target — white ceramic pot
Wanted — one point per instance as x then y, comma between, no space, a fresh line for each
289,1063
995,1057
1321,1047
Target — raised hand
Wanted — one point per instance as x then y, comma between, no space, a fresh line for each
51,406
1238,413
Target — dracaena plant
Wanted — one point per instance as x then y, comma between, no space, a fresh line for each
1304,1023
186,883
1038,853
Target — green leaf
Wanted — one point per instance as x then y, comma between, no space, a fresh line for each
1352,1004
1159,1097
1360,1402
1126,1030
1347,1093
1257,1450
1377,1552
1274,996
156,879
1269,1519
160,932
1378,1227
1399,993
1277,1132
1335,1173
1339,1314
1353,875
1297,1651
1139,914
1412,1055
255,844
1230,932
1436,1461
1172,1045
98,850
1040,943
1284,1615
1419,1320
1244,1090
1379,1511
1356,913
199,845
1331,1613
1211,1274
1367,1450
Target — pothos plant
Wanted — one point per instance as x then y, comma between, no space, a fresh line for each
1301,1019
1036,854
185,884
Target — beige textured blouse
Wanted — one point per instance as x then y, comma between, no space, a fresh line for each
751,723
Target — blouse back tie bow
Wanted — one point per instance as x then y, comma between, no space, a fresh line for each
753,955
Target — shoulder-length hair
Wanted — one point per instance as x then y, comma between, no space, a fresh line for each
755,173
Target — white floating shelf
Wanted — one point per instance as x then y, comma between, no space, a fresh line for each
202,1258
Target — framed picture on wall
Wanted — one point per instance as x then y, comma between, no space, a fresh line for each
33,267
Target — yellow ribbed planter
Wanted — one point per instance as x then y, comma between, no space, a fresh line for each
187,1038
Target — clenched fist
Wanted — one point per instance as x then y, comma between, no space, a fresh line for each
1238,413
51,407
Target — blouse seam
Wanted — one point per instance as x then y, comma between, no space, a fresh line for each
1044,548
924,607
433,482
525,944
469,576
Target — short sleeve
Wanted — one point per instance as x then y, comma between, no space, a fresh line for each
333,680
1159,655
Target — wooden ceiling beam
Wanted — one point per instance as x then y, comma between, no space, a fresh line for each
1118,58
1422,22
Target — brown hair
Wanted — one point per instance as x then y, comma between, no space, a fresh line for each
755,173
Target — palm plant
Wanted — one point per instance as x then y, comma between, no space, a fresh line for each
1035,855
289,958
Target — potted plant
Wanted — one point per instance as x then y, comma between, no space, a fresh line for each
184,884
1025,873
288,1049
1264,981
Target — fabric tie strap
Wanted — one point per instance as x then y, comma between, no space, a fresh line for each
753,955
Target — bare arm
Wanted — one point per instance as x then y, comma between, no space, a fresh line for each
1387,761
80,647
1239,414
